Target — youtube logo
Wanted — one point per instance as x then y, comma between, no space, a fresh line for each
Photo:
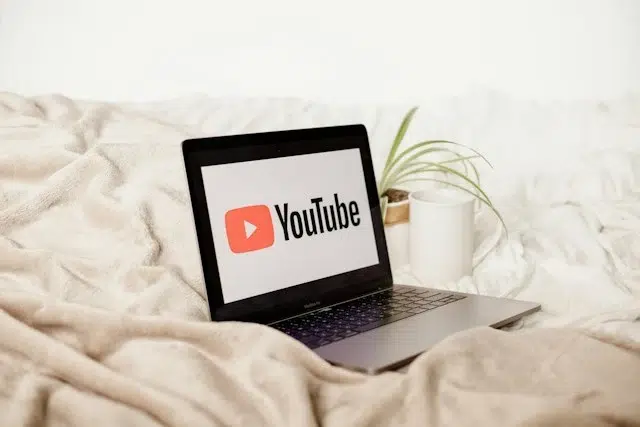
249,228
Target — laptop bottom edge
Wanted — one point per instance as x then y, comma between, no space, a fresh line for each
396,344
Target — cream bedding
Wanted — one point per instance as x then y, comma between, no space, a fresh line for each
94,214
65,365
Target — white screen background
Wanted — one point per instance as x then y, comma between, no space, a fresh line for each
295,180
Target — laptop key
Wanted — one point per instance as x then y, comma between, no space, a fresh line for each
431,294
367,313
382,322
422,292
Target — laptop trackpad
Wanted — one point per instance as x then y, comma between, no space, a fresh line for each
398,343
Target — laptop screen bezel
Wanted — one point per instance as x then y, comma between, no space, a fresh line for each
287,302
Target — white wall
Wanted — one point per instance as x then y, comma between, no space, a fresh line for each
323,49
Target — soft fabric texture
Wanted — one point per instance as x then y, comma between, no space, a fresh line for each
65,365
94,211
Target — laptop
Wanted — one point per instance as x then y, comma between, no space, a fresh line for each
290,233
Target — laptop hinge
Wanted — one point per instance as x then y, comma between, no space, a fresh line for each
327,307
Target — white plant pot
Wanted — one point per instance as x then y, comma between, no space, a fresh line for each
397,236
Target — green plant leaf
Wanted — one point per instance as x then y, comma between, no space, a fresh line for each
428,143
436,166
485,198
391,177
475,171
431,168
422,148
399,168
402,130
393,180
486,202
466,160
462,159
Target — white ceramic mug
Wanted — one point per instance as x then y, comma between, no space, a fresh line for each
441,236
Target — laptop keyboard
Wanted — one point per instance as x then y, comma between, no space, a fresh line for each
354,317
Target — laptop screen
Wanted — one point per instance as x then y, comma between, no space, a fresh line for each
284,221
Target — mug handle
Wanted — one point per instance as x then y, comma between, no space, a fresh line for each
480,253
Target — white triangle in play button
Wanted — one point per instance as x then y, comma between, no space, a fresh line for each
249,229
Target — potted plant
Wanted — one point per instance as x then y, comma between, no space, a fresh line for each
440,162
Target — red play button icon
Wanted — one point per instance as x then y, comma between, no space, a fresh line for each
249,228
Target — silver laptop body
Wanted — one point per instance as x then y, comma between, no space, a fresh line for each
290,235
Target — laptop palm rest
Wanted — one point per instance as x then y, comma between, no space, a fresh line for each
396,344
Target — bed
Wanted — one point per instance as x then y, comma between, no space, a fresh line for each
103,312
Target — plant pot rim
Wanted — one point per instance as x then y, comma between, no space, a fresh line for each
396,224
393,204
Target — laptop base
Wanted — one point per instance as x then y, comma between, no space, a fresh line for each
396,344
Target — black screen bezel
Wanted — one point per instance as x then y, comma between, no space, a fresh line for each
293,300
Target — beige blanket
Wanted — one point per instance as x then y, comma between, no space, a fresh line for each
94,212
65,365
